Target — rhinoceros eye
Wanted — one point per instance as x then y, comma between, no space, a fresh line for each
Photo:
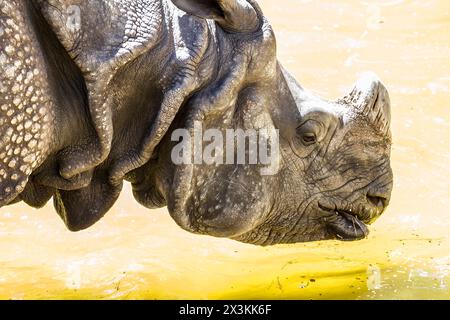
309,132
309,139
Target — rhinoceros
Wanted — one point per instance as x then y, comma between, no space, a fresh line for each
91,93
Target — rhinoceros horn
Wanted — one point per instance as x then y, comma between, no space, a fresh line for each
232,15
370,99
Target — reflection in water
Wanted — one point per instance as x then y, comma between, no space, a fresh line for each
136,253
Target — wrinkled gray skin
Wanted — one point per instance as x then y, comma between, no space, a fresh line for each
86,106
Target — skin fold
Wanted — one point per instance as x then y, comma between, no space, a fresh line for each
91,91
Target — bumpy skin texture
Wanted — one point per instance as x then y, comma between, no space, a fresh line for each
26,107
92,90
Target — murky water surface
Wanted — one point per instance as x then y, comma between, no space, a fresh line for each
136,253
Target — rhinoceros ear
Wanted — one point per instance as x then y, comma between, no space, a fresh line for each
232,15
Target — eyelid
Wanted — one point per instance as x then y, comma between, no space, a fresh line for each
316,126
305,121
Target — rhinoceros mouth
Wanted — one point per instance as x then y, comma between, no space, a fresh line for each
344,224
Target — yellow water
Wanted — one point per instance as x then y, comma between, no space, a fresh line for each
136,253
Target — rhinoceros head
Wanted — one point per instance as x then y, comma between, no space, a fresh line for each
187,101
329,172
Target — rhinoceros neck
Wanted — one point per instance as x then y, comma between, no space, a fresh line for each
182,62
114,81
65,81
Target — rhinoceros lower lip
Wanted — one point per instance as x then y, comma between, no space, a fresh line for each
344,225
